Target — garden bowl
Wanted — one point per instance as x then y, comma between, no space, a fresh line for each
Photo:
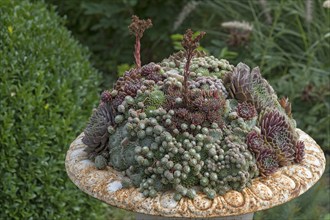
280,187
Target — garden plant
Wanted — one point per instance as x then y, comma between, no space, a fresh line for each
191,121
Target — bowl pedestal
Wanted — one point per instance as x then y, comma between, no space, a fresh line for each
248,216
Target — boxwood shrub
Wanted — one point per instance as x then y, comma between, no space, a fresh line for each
47,89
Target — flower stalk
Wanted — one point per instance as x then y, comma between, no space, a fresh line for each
190,45
137,28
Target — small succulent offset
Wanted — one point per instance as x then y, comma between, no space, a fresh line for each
190,124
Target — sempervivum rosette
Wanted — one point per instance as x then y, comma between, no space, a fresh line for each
191,123
277,132
267,162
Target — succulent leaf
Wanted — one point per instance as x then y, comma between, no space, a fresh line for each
246,110
286,105
100,162
96,133
240,83
267,162
255,142
250,87
300,151
156,98
116,159
277,131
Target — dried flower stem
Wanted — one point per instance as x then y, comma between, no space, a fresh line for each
309,10
265,10
326,4
137,27
186,10
190,45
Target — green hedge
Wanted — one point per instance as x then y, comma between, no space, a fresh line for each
47,90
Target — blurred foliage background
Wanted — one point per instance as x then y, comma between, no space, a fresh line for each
289,40
47,88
